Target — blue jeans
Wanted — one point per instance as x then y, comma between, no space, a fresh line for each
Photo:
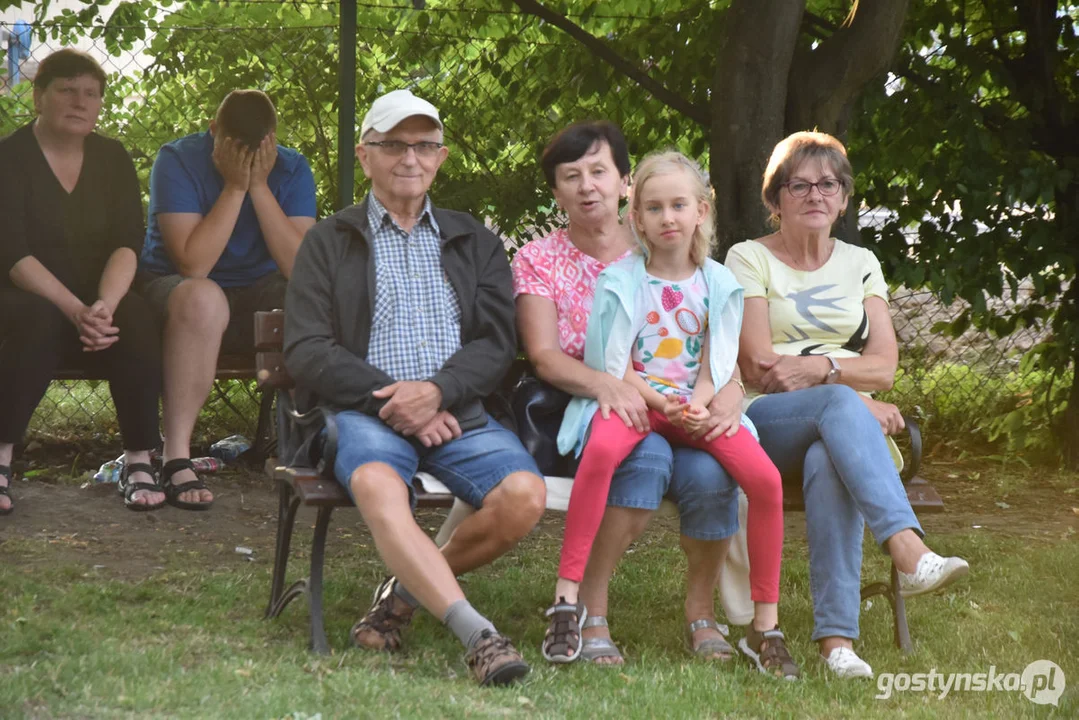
471,466
706,496
827,435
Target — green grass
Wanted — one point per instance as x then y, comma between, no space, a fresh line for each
187,642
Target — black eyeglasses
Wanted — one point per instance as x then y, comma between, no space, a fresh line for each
800,188
397,148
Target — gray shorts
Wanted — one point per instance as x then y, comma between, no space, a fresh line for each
266,293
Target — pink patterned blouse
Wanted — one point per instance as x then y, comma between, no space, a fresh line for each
552,267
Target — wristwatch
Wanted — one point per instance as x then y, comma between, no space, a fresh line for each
833,374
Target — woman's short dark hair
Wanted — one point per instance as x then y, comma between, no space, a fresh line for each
246,116
575,141
68,63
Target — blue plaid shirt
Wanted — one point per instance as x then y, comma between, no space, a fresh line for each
417,318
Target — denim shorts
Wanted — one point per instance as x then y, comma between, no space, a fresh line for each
470,466
706,496
266,293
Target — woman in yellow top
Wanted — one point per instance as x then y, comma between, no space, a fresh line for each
816,339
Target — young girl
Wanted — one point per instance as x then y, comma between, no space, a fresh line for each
668,322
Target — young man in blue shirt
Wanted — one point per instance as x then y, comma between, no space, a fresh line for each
228,209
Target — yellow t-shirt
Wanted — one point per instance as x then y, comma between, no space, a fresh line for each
813,312
818,312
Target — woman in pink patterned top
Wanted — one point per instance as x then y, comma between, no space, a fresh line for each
587,168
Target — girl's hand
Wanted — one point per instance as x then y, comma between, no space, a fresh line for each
790,372
624,400
673,410
726,413
694,418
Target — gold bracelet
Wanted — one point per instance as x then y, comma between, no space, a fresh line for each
740,384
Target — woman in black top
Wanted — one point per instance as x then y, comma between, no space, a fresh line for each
72,231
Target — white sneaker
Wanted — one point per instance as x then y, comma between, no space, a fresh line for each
846,664
932,573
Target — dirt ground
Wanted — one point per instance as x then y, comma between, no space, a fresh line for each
87,525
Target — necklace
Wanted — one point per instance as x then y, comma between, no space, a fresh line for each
791,259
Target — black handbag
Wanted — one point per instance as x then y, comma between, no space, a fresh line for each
538,408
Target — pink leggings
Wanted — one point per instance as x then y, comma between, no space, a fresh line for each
610,442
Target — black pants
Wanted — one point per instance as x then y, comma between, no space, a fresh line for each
36,339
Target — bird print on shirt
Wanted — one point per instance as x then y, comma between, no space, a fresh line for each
806,300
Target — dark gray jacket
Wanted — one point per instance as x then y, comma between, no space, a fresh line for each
331,299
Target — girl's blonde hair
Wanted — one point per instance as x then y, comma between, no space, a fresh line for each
665,163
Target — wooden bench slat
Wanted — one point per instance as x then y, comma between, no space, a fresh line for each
271,372
269,329
317,491
234,366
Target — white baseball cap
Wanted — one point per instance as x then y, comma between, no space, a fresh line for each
393,107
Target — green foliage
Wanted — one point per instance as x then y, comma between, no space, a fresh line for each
1019,411
1034,422
973,148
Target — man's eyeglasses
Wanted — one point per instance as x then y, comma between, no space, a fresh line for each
800,188
397,148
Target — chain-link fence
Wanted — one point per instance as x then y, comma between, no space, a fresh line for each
498,78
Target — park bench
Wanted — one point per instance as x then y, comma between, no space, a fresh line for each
229,367
315,487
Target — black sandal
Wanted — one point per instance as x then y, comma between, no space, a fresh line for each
5,471
173,492
128,489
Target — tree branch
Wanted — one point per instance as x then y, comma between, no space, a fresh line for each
824,80
604,52
816,26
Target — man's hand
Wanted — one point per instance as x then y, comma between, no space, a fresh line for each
725,413
412,405
263,160
888,415
790,372
625,401
233,160
672,408
442,428
95,328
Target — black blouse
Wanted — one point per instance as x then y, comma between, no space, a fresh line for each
73,234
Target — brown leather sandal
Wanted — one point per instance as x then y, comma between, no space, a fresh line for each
768,651
494,661
380,628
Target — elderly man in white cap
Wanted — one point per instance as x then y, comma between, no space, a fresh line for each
399,317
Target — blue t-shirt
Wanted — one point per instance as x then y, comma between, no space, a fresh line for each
184,180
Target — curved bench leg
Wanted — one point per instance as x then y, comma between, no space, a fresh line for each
899,610
287,505
319,643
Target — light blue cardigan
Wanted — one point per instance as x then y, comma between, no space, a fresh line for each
611,334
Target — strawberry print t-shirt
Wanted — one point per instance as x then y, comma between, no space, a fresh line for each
552,267
672,322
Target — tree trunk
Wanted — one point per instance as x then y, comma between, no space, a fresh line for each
749,99
1069,436
1067,325
825,80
